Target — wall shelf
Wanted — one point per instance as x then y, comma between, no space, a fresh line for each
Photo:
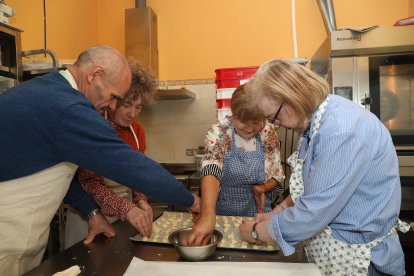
165,94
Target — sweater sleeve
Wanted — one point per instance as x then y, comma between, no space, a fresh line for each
136,196
77,198
85,138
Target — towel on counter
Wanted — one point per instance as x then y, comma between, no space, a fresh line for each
155,268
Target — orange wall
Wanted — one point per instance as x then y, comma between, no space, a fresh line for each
71,26
196,37
111,22
410,7
29,18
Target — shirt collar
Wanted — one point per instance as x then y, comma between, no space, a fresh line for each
68,76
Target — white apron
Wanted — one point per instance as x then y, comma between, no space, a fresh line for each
27,206
76,228
333,257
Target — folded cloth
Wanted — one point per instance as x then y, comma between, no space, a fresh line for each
71,271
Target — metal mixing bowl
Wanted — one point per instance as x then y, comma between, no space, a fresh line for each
193,253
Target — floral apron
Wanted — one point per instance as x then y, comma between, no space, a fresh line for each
333,257
241,171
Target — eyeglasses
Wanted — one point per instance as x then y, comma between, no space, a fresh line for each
272,121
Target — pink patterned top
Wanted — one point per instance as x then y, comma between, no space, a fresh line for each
110,203
218,141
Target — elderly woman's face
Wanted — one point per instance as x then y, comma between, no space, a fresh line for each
124,114
286,117
248,129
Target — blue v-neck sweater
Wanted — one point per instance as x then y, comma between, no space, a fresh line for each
44,121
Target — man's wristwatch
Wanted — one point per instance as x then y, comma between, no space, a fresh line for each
255,235
93,213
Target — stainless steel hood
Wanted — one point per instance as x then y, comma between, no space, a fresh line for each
141,42
141,39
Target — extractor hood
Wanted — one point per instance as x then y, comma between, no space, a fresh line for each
141,36
141,42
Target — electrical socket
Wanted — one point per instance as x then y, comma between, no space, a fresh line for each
190,152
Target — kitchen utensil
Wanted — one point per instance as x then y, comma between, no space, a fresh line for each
193,253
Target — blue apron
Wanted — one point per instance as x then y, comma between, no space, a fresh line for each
241,170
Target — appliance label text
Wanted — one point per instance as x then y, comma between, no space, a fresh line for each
355,37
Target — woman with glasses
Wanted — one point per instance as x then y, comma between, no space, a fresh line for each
241,167
345,189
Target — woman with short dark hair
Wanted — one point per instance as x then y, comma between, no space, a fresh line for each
241,168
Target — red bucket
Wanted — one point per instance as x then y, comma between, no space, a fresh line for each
223,103
240,73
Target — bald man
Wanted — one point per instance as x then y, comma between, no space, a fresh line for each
50,125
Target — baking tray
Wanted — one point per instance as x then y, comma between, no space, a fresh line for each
227,225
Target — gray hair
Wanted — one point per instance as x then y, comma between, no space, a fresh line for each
109,58
289,82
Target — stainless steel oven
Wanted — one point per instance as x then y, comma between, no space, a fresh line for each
375,68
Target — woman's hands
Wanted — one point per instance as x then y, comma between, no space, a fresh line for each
205,221
202,230
262,216
143,205
259,193
141,218
245,230
246,227
196,208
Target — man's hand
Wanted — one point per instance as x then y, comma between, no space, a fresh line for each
140,220
259,196
98,224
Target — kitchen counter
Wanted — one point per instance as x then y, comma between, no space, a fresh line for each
112,256
196,176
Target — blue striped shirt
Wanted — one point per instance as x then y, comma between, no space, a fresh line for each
351,183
